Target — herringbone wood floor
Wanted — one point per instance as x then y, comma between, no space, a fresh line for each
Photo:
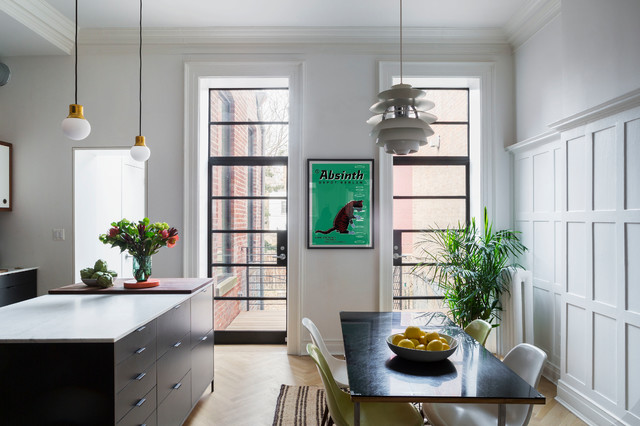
248,379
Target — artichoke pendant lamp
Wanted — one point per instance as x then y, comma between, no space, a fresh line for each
140,151
75,126
401,124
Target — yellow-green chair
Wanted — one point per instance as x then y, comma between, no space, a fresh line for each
479,330
371,413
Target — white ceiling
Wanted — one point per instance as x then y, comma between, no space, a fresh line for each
35,27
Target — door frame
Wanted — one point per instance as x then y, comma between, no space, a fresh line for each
198,75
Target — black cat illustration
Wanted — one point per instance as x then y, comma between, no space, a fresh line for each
344,218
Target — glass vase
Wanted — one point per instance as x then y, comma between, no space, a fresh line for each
141,267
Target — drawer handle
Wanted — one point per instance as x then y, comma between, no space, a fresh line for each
202,339
142,401
176,307
139,351
142,328
175,345
140,376
177,386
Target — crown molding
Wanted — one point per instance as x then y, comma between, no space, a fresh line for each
530,19
621,103
44,20
293,35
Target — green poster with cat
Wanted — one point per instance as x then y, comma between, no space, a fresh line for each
340,200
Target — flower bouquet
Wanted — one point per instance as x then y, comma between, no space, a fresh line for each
141,240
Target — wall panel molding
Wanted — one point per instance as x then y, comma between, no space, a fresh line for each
592,335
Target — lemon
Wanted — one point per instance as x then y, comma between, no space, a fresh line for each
432,335
412,332
445,347
415,342
406,343
396,338
434,345
443,340
423,339
421,347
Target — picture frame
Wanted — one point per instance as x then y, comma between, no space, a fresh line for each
340,203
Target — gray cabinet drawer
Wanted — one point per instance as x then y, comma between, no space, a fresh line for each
135,340
201,367
201,315
173,365
172,325
142,410
135,365
175,408
134,391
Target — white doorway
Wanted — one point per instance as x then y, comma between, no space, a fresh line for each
108,185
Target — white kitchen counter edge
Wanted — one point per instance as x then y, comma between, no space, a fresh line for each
82,318
17,270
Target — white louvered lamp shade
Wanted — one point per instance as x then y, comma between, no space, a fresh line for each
401,124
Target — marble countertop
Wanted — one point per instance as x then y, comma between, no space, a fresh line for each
81,318
13,270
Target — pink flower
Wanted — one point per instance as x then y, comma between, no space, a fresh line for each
164,234
172,241
114,231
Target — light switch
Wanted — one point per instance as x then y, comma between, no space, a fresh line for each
58,234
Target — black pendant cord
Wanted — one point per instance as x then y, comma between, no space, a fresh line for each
76,56
140,80
400,41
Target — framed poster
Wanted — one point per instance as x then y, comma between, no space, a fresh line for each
340,200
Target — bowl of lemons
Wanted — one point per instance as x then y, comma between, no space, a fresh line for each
416,344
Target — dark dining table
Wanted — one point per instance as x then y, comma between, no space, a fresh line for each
471,374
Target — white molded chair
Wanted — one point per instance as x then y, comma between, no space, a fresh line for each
527,361
338,366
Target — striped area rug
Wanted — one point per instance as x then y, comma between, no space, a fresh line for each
301,406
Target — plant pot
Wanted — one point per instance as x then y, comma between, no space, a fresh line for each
141,267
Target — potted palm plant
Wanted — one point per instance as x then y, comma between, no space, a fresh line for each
470,268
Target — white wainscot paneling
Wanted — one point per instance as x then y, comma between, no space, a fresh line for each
543,251
557,330
605,275
576,258
605,353
525,228
576,174
558,164
604,169
543,182
543,319
632,163
633,370
558,260
576,349
523,185
632,298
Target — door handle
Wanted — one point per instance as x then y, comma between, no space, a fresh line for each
398,256
281,256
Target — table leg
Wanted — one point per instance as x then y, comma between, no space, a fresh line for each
356,414
502,414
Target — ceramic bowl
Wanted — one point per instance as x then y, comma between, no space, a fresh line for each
423,356
90,282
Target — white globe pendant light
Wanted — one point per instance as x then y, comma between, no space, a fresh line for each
75,126
401,123
140,151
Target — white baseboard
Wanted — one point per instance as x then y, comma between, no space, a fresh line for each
586,409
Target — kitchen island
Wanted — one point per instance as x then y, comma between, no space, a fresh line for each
106,359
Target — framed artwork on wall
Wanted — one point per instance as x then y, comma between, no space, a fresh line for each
340,202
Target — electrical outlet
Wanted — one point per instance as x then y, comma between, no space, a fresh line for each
58,234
